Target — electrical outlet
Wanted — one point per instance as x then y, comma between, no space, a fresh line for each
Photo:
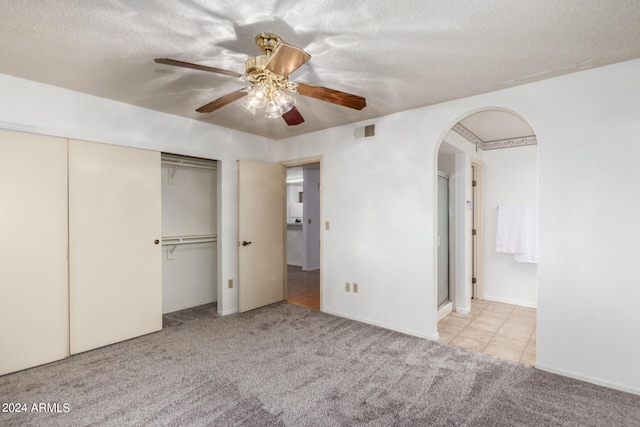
230,284
355,288
347,287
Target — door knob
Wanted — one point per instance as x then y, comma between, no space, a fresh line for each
156,241
245,243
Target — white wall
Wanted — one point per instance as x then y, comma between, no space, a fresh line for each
379,196
510,178
378,199
39,108
454,157
588,130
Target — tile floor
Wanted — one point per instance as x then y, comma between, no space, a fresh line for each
501,330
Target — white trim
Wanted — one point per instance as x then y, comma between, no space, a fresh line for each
467,134
445,310
589,379
496,144
510,301
465,310
412,332
191,305
477,219
227,312
510,142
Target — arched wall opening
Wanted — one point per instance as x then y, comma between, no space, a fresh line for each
495,149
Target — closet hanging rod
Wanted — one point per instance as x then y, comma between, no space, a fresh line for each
186,240
187,164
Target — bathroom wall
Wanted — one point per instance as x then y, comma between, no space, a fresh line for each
510,178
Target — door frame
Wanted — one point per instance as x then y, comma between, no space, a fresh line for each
450,237
477,243
301,162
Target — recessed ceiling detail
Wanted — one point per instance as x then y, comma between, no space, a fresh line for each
496,144
509,143
467,134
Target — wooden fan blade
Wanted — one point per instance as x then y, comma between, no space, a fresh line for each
286,59
293,117
177,63
222,101
331,95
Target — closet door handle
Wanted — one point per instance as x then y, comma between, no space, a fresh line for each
245,243
156,241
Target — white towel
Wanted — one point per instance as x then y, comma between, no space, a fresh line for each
518,232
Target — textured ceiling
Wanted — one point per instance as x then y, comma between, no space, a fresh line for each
399,55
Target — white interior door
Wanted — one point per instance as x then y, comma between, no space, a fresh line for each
34,307
261,231
115,255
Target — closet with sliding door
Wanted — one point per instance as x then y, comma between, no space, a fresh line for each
80,264
189,238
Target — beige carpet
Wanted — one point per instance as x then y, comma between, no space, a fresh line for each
289,365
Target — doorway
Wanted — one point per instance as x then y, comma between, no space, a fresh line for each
303,235
189,232
447,244
494,162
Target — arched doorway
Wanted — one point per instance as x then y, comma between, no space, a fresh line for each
490,158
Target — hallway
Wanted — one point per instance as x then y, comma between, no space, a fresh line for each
303,287
501,330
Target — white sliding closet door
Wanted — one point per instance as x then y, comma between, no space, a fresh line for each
33,256
115,265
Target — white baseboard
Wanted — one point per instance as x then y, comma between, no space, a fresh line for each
589,379
511,301
445,310
190,305
418,334
227,312
463,310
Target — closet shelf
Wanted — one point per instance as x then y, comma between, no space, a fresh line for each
187,240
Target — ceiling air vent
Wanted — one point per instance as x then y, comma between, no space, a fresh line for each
367,131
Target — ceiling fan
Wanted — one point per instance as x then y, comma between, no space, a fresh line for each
270,85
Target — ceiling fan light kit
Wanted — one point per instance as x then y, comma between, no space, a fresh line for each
270,85
268,89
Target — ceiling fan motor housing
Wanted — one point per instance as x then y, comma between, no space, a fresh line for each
268,42
255,64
